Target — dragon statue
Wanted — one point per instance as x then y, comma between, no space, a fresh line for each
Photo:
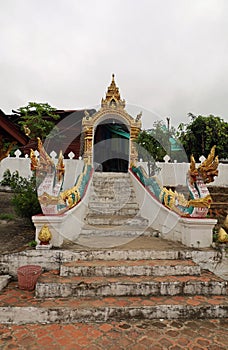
49,177
199,199
52,198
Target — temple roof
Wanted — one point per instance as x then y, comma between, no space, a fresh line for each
112,98
113,91
11,131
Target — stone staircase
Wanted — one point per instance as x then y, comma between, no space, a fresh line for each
112,212
115,285
105,285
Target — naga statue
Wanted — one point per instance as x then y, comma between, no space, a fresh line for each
50,176
52,198
199,199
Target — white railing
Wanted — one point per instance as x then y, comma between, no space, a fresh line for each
171,174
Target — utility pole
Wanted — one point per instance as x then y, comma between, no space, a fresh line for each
168,127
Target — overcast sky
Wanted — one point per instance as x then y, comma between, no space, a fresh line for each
169,56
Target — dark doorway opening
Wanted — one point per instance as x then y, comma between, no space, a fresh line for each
111,147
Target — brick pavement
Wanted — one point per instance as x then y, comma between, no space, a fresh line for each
152,335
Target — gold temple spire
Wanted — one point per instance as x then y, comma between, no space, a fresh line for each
112,98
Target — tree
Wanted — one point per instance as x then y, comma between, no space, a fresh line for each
37,119
202,133
153,145
5,147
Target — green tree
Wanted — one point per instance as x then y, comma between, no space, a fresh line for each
202,133
37,119
154,142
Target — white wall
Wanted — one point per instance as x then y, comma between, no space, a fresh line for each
171,174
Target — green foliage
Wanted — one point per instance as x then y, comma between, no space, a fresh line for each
25,199
6,216
38,118
32,244
202,133
153,142
6,147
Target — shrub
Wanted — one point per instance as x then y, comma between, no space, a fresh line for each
6,216
25,200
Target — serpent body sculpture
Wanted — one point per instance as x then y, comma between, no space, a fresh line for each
199,200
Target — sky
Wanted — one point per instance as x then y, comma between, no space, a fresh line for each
169,57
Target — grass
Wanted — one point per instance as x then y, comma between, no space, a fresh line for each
7,217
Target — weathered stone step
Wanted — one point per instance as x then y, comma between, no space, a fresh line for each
218,189
4,280
130,268
111,197
220,197
219,205
51,286
113,205
109,210
167,253
109,231
116,220
129,208
20,307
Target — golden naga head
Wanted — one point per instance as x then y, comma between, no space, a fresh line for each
45,164
208,169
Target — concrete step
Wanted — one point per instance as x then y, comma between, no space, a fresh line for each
4,280
52,286
112,205
167,253
130,268
98,210
220,205
220,197
110,230
20,307
218,189
116,220
117,197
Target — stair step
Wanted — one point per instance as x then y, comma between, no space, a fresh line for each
167,251
219,197
113,211
20,307
50,286
110,230
113,206
92,219
130,268
109,198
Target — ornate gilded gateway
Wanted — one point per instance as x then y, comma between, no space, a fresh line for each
112,111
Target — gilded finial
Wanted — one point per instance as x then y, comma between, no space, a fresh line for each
45,235
113,98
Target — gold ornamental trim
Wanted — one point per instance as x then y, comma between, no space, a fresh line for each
204,202
46,199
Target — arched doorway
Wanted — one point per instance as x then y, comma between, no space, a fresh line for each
111,146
